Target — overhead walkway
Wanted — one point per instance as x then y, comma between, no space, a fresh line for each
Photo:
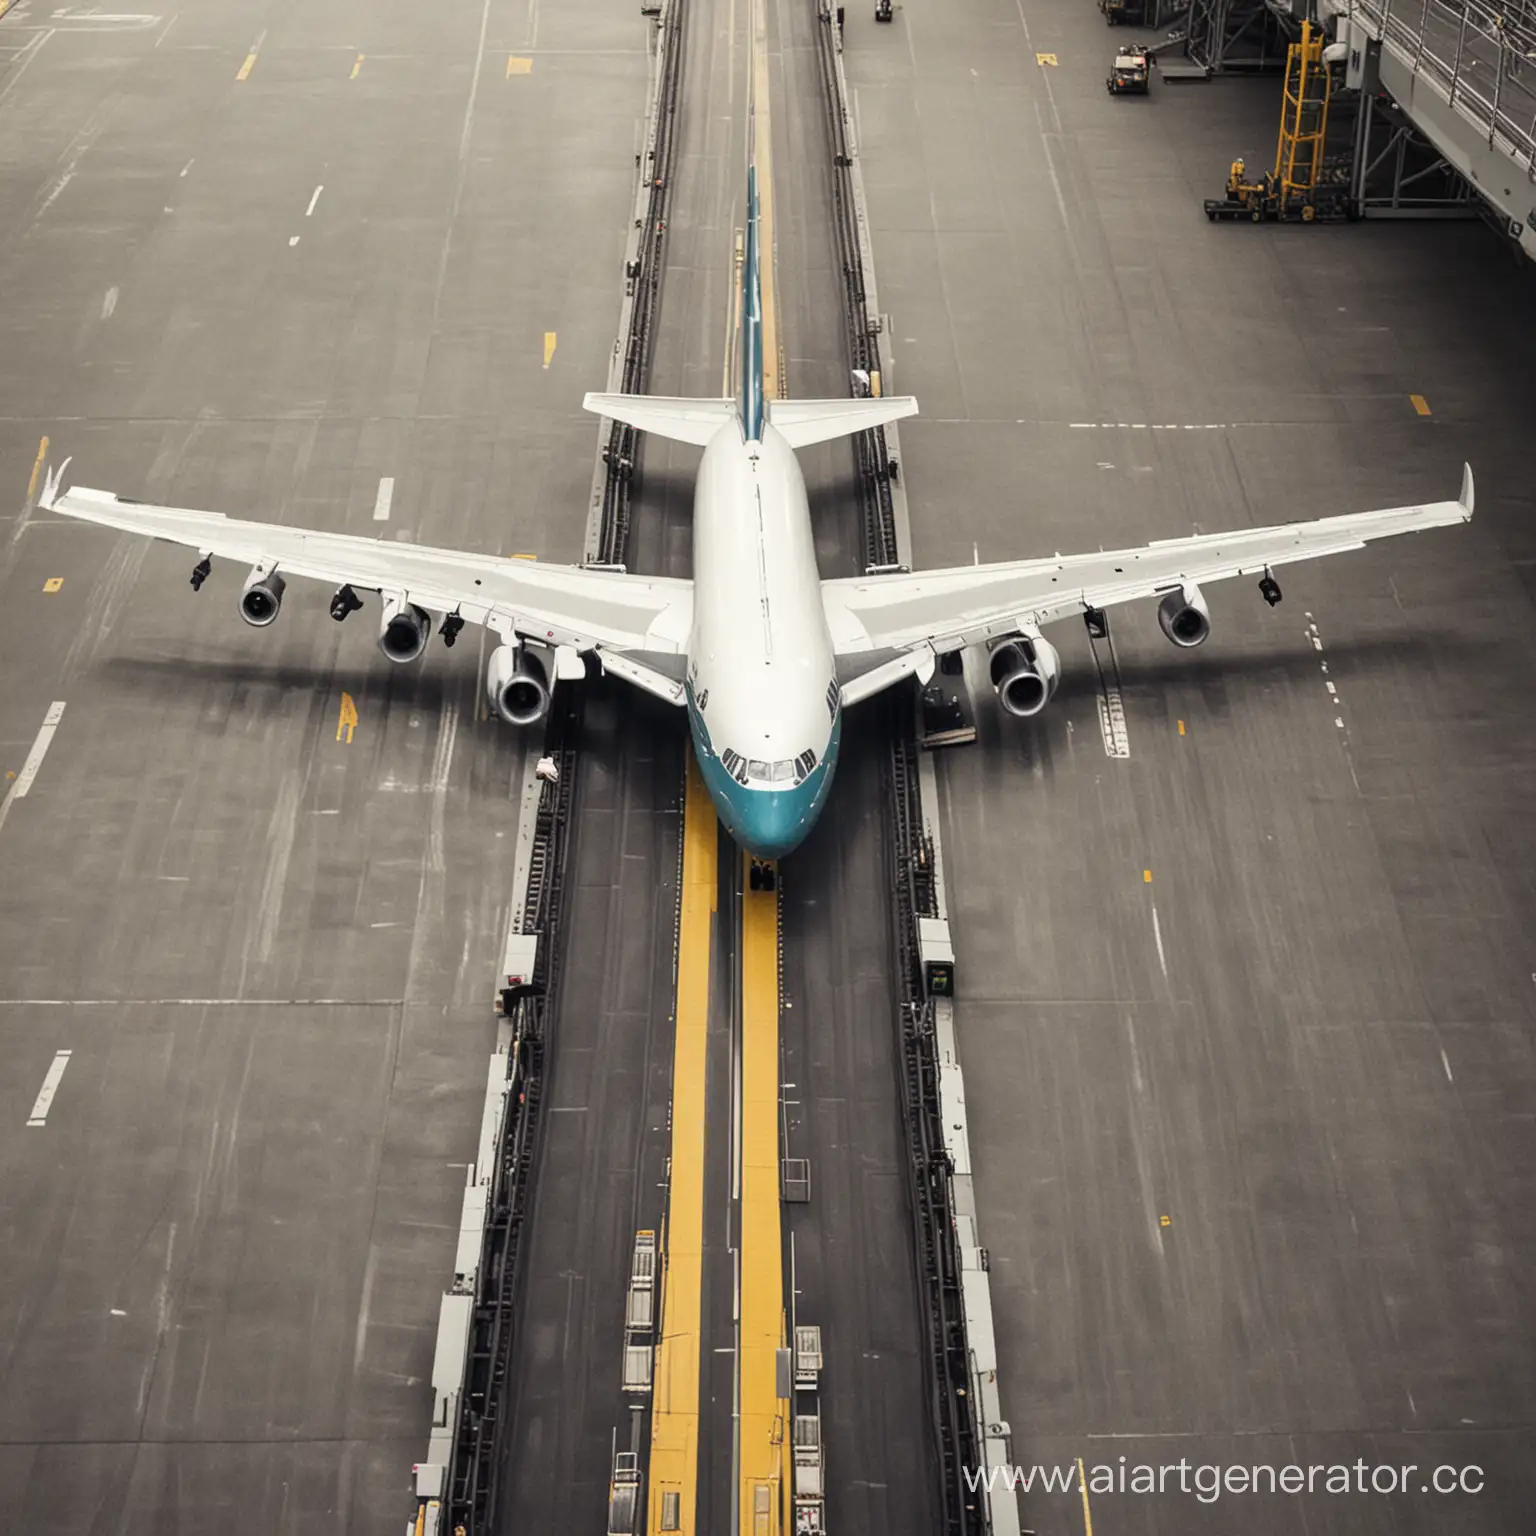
1464,72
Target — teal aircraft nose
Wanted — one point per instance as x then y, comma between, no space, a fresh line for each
773,822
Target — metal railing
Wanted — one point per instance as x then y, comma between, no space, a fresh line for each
1480,57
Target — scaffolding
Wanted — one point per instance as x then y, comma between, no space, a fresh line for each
1396,173
1303,115
1305,183
1225,37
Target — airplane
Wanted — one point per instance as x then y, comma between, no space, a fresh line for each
763,654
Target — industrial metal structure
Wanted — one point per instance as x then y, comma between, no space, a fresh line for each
1463,74
1299,187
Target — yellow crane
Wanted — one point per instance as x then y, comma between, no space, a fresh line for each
1296,188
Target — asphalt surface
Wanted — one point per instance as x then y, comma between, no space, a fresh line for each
1252,1131
603,1158
855,1277
268,947
854,1271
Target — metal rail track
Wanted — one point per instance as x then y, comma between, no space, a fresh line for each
862,330
622,455
954,1427
473,1485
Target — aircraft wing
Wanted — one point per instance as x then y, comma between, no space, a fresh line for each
556,605
943,610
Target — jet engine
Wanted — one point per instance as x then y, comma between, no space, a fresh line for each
1025,671
404,630
262,597
517,685
1184,617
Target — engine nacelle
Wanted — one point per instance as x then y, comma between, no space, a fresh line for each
1184,617
262,598
517,685
404,630
1025,671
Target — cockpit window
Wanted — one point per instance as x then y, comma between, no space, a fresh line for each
788,770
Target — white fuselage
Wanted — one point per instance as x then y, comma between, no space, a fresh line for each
762,682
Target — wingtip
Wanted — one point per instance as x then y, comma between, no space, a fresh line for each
1467,494
53,480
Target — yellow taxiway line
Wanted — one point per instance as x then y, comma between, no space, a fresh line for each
675,1400
764,1464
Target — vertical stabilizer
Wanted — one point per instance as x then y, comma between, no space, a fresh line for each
751,396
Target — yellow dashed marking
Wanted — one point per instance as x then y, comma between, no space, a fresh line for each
1181,727
1146,876
348,719
1165,1221
42,451
247,67
357,68
1082,1488
549,347
1046,60
517,66
525,557
1420,404
53,584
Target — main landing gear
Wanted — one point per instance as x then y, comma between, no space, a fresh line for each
763,875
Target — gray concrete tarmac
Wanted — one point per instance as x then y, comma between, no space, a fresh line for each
603,1159
267,948
854,1272
1246,1018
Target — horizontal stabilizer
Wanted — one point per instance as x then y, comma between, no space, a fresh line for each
803,422
683,421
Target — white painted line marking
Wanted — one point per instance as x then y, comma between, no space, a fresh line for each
188,166
1117,741
50,1087
109,304
118,1312
315,199
1331,689
1338,722
293,240
34,759
383,499
58,187
1445,1061
200,1002
1157,933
